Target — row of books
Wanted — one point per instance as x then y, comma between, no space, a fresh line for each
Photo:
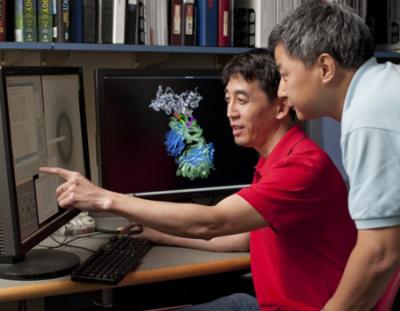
224,23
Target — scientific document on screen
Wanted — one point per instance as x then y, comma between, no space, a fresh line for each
29,147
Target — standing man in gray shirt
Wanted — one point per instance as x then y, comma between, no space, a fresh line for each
324,52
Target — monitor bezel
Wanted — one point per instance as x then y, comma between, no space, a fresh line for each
187,194
15,249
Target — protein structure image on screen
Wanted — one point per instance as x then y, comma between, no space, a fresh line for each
184,141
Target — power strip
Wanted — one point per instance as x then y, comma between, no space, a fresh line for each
81,224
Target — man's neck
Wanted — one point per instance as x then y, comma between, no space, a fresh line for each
339,93
280,132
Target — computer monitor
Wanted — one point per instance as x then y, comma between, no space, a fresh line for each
42,123
149,125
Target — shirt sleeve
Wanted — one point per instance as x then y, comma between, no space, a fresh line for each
293,192
371,159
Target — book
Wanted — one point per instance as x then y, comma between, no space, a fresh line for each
161,23
76,11
207,17
265,18
176,22
98,20
189,22
83,21
141,31
62,23
19,24
3,21
118,21
104,21
132,22
244,27
224,23
54,20
394,36
252,28
29,20
89,21
45,20
10,20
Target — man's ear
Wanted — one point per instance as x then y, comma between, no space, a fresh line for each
282,108
327,67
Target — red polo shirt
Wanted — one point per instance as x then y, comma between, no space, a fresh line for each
297,261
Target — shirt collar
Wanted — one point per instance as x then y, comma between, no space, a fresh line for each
283,148
354,81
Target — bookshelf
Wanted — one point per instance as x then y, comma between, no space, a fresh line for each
95,47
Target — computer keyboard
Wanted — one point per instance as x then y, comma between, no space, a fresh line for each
111,262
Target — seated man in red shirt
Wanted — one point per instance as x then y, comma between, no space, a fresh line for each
296,207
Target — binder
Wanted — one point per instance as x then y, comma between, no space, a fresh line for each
224,23
189,22
265,18
141,32
207,17
132,20
176,22
244,27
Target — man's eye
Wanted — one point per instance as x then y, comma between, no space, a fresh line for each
242,101
227,100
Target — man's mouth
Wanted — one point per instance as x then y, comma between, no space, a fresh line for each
236,130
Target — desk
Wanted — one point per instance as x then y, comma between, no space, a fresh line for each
161,263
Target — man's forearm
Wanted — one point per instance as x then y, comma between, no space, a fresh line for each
368,270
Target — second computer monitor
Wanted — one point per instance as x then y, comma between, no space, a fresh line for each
166,134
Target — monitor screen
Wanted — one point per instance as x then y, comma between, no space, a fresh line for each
42,124
165,134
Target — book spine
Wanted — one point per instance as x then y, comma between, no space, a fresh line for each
89,21
106,21
189,22
207,16
29,20
3,22
141,38
241,26
45,21
54,19
19,21
76,12
224,21
99,21
118,29
63,25
132,18
252,28
176,22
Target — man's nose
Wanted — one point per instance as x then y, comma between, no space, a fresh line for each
230,110
282,89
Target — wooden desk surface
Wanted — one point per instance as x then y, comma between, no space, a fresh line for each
161,263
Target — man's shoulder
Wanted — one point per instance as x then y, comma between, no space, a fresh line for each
308,147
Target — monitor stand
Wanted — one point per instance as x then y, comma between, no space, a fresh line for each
40,264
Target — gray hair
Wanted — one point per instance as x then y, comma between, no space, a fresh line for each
318,27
